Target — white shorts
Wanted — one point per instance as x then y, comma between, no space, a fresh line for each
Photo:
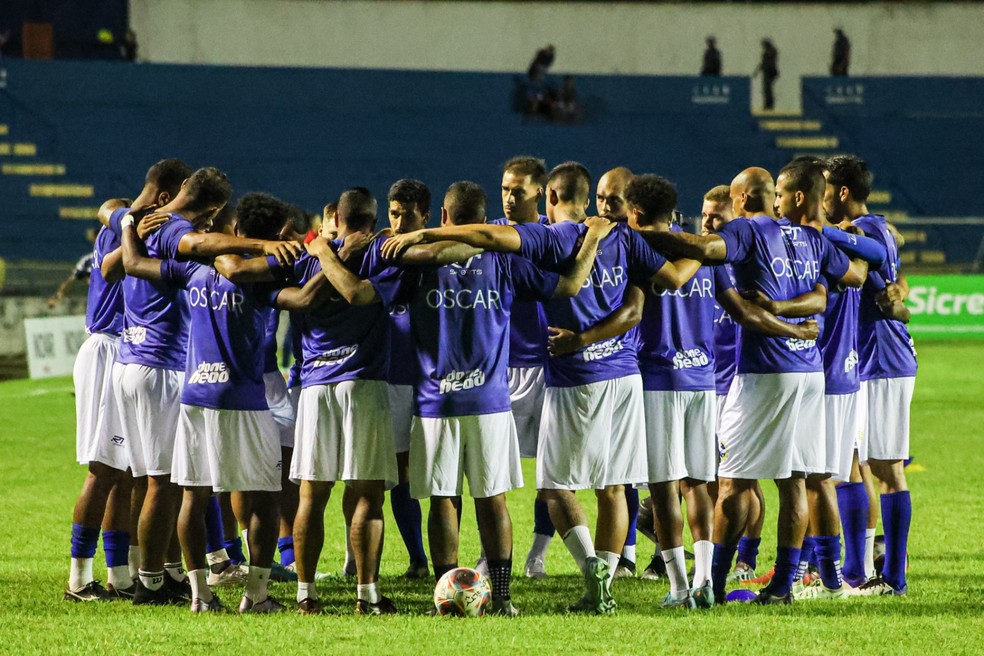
861,440
99,433
773,427
149,399
283,411
593,436
888,417
344,433
401,409
444,450
841,422
227,450
680,440
721,398
526,390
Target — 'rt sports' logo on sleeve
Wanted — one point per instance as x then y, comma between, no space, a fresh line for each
210,372
457,381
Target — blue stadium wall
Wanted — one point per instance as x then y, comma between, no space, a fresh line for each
79,132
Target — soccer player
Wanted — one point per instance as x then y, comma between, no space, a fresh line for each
772,423
148,375
590,433
610,194
888,370
100,440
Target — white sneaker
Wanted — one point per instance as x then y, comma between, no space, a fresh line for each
268,605
817,590
535,568
231,575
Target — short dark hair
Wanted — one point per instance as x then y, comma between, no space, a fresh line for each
718,194
356,209
261,216
534,167
805,176
572,181
208,187
465,203
654,195
409,191
851,172
168,174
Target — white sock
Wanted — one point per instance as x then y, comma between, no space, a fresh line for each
134,561
629,552
199,585
578,541
119,577
151,580
175,571
306,591
869,552
676,569
246,544
368,592
703,555
612,560
539,548
80,573
256,583
349,551
217,557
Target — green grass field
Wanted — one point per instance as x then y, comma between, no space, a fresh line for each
943,613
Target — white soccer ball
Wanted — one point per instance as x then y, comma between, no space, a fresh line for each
462,592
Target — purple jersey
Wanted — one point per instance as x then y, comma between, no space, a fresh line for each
527,325
296,350
340,341
839,339
676,351
885,346
459,318
225,355
622,256
271,323
155,322
727,335
782,260
104,308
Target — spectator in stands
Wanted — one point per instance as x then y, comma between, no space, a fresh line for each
4,37
128,48
769,67
566,108
81,271
840,59
712,59
542,61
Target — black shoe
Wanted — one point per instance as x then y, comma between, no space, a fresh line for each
120,594
656,569
92,591
180,591
143,596
625,569
766,598
383,607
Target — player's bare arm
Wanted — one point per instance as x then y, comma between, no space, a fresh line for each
240,269
481,235
891,302
686,245
112,266
805,305
135,260
675,274
561,341
206,245
570,283
106,209
751,316
855,275
312,295
437,254
352,288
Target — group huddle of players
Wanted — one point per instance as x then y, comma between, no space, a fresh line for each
618,350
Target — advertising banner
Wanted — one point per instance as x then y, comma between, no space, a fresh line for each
52,344
946,306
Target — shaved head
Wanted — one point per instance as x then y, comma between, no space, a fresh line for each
356,209
610,196
753,192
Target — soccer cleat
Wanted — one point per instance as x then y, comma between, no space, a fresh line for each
349,569
597,588
503,608
418,570
144,596
766,598
482,567
798,586
670,602
179,590
120,594
703,595
817,590
231,575
765,579
878,586
281,574
535,568
91,591
213,606
382,607
309,606
268,605
741,572
626,569
655,570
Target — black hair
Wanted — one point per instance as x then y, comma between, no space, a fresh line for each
356,209
261,216
409,191
654,195
851,172
168,174
465,203
534,167
571,181
208,187
805,176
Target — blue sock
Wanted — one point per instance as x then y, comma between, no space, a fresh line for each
632,501
896,511
748,549
828,552
84,541
286,548
542,524
406,511
852,501
721,566
806,553
116,545
787,561
234,548
214,539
